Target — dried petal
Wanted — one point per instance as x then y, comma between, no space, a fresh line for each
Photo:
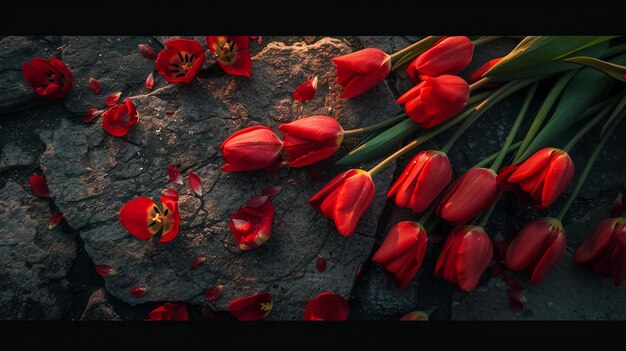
197,261
272,190
174,174
55,219
39,185
195,183
137,291
169,112
617,207
147,51
320,264
112,99
257,201
213,293
150,81
171,193
105,270
91,114
415,316
94,85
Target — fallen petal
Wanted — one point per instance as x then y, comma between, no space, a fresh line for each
197,261
213,293
174,174
195,183
253,307
320,264
169,112
55,219
113,98
327,306
91,114
171,193
241,225
516,295
137,291
257,201
94,85
358,272
306,91
150,81
415,316
272,190
617,207
39,185
105,270
147,51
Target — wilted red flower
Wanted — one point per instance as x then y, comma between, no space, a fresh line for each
450,55
327,306
477,75
402,251
538,247
213,293
174,174
195,183
233,54
471,194
359,71
423,179
251,225
253,307
320,264
435,100
540,179
150,81
345,198
604,251
180,61
94,85
144,219
39,185
55,220
415,316
306,91
112,98
48,77
105,270
118,119
464,257
251,148
137,291
311,139
91,114
170,312
197,261
147,51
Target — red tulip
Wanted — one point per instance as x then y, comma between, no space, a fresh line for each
306,91
402,251
48,77
311,139
233,54
359,71
251,148
435,100
537,247
144,219
477,75
540,179
180,61
251,308
251,225
118,119
604,251
39,185
170,312
450,55
464,257
423,179
344,199
327,306
471,194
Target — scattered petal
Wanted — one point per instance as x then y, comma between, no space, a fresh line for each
150,81
272,190
415,316
213,293
195,183
617,207
197,261
327,306
257,201
91,114
170,312
174,174
113,98
105,270
55,219
171,193
359,270
253,307
39,185
147,51
137,291
306,91
94,85
169,112
118,119
320,264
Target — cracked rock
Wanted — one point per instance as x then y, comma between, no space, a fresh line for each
99,308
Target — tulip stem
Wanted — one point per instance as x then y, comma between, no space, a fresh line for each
484,40
376,126
513,133
493,156
592,159
479,83
482,222
410,52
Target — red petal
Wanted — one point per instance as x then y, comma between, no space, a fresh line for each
179,312
150,81
359,271
355,197
400,238
257,201
327,306
306,91
617,207
171,193
550,257
252,307
147,51
172,219
135,217
174,174
415,316
112,99
195,183
105,270
137,291
251,227
320,264
94,85
597,243
55,219
161,313
169,112
197,261
39,185
272,190
473,256
213,293
91,114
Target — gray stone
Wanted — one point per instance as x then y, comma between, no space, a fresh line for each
33,260
99,308
91,175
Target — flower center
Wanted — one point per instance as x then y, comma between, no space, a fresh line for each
225,48
56,77
181,64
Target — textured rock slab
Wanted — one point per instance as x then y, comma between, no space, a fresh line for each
91,175
33,260
99,308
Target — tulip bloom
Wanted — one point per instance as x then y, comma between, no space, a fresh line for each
402,251
471,194
359,71
118,119
48,77
435,100
311,139
537,247
426,175
450,55
251,148
345,198
604,251
464,257
252,308
180,61
327,306
144,219
251,225
233,54
477,75
170,312
540,179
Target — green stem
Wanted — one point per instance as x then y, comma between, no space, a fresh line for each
479,83
428,213
492,157
518,122
589,125
485,217
484,40
376,126
585,172
410,52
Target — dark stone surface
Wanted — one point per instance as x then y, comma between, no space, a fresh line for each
99,308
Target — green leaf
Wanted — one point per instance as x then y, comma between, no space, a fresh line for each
534,50
616,71
619,109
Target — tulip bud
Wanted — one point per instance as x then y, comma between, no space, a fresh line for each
450,55
477,75
604,251
311,139
359,71
470,195
251,148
